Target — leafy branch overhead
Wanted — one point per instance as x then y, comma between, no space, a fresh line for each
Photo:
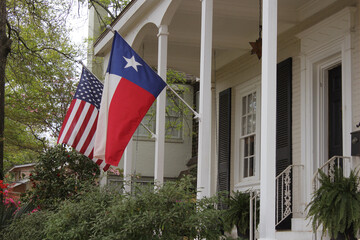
39,73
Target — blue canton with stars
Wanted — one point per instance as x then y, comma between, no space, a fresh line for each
89,89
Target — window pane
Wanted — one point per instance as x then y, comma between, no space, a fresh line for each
251,166
243,106
246,147
249,124
245,167
252,145
254,101
244,132
254,122
250,101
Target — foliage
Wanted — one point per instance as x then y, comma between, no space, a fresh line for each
238,213
177,113
60,174
170,212
29,226
336,204
39,76
112,8
11,210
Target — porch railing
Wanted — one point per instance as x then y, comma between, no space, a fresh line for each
254,196
283,195
329,169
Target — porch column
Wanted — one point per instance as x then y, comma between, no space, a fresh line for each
160,106
268,120
128,158
204,147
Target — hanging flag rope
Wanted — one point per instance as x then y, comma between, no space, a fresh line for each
79,126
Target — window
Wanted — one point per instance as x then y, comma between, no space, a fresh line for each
173,116
248,129
247,135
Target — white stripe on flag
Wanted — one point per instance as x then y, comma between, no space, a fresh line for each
79,123
71,118
111,82
90,147
87,130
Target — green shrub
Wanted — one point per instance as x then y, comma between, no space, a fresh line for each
60,175
29,226
336,205
75,219
171,212
238,213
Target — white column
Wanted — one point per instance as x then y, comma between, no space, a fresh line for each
160,106
128,158
204,148
268,120
346,100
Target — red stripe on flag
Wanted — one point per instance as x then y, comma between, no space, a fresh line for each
73,123
83,126
91,155
89,138
106,167
128,106
66,118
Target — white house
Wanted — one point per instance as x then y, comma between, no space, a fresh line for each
292,110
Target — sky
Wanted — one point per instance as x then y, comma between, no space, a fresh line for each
78,21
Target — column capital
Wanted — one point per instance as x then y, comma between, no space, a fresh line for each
163,30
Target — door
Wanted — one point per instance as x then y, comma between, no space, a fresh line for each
335,112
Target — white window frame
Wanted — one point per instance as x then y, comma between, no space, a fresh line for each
242,90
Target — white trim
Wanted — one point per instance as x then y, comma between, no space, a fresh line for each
160,107
205,124
241,90
268,120
316,59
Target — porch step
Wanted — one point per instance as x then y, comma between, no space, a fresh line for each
292,235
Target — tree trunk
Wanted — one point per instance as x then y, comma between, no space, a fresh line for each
5,46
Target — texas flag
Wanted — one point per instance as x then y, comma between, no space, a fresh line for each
130,88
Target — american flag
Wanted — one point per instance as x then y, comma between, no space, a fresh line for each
79,126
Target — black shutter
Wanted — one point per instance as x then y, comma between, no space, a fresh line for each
224,141
284,126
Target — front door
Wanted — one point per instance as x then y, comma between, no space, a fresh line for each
335,112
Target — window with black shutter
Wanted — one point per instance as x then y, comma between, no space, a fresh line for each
284,126
224,139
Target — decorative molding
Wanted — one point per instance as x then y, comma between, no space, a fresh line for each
312,7
327,30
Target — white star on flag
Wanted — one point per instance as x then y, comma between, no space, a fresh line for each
131,62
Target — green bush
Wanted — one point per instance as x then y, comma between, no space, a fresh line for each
171,212
60,175
29,226
336,205
238,213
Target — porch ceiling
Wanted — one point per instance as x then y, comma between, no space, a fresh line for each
235,24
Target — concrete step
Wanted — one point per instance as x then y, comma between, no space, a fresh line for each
292,235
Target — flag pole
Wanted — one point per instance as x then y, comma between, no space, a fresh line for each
83,65
153,135
197,116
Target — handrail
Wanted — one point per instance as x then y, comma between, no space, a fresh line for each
253,198
283,188
330,164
